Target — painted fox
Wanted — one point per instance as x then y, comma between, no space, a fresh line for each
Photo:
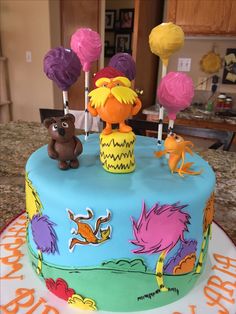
86,232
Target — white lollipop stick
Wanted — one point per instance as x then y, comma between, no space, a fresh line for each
171,126
65,102
160,125
161,111
86,99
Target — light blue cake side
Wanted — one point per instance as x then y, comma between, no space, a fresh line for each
64,194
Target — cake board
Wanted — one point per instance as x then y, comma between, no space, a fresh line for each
24,293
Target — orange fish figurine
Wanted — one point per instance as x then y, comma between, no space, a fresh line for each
177,147
114,101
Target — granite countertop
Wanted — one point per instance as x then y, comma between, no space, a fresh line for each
20,139
196,114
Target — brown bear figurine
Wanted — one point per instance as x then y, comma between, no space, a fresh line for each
64,145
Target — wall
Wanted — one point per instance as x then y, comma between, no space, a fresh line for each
55,41
196,48
25,26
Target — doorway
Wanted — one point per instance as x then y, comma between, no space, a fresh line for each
127,24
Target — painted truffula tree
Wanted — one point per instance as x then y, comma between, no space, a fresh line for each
44,237
207,222
150,234
42,228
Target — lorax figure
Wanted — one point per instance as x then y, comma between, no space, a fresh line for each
114,101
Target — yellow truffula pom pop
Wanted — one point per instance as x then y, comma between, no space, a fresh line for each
166,39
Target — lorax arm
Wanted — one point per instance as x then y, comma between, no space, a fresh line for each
92,110
137,106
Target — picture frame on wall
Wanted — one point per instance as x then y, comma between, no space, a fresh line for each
123,42
126,19
229,73
110,18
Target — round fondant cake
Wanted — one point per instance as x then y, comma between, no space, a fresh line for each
118,242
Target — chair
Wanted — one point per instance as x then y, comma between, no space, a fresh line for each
223,138
48,113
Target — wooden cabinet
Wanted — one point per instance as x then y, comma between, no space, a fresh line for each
206,17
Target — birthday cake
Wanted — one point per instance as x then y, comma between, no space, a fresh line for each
115,221
104,237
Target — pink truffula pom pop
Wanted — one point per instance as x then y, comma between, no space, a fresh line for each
175,92
87,44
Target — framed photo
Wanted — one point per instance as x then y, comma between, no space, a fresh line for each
229,74
126,18
123,42
110,18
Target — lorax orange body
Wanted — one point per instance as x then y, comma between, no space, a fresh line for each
114,101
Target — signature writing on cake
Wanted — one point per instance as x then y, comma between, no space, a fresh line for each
12,242
220,292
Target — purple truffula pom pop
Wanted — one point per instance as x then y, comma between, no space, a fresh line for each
62,66
125,63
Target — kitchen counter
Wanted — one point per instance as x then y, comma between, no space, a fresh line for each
20,139
200,117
